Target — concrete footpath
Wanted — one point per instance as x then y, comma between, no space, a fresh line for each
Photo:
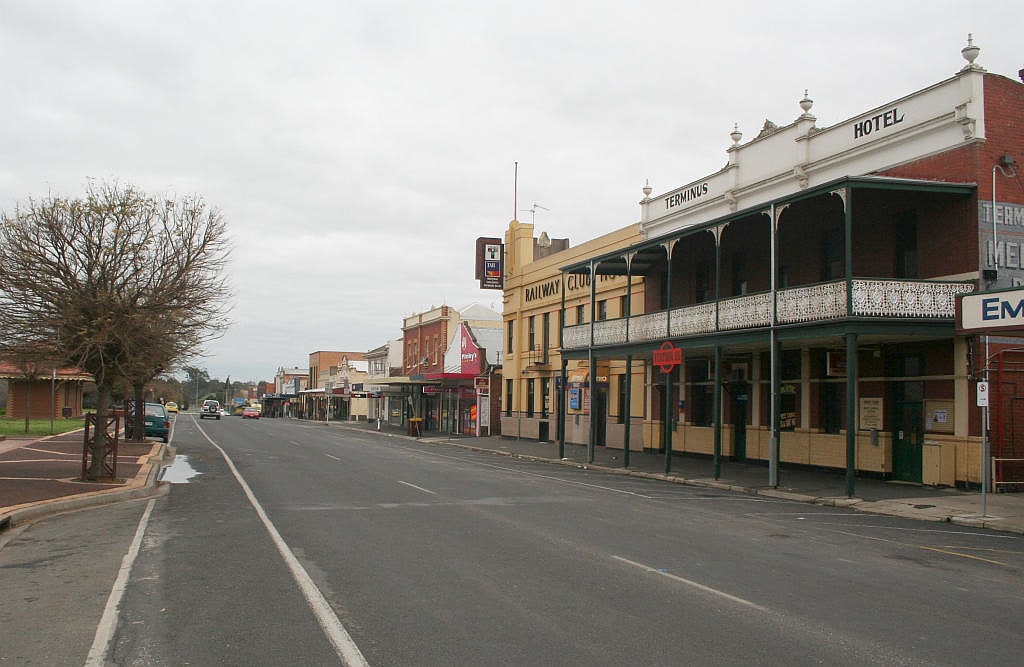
40,477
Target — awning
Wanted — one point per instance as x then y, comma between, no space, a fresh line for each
396,380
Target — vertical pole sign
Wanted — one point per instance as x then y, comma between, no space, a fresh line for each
489,257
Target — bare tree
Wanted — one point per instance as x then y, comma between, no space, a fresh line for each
120,283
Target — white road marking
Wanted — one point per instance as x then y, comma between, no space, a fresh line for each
108,621
332,457
418,488
688,582
336,633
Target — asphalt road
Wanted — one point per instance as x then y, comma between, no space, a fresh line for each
303,544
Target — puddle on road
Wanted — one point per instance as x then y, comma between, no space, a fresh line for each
179,472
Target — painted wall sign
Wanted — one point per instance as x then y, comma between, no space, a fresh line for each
1005,253
883,120
552,288
687,195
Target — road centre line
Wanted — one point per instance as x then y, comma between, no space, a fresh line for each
418,488
340,639
534,474
694,584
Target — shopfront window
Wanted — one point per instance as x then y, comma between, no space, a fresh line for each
700,390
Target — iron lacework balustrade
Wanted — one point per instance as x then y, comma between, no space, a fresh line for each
808,304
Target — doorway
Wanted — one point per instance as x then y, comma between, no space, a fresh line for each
600,417
908,423
907,442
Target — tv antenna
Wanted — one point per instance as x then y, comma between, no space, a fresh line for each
533,211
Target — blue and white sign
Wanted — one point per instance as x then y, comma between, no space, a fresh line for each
986,312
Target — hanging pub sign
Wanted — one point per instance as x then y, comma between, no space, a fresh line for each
489,270
667,357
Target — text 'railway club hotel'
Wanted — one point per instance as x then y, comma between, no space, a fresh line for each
810,286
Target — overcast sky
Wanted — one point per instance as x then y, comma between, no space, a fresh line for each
358,149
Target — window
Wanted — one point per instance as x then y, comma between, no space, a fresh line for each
508,397
701,402
545,337
832,403
602,309
509,337
531,333
581,316
529,397
624,306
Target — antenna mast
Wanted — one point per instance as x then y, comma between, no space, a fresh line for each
533,211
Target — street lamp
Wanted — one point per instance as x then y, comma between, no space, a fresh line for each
1005,162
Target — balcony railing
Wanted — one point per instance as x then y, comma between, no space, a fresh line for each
920,299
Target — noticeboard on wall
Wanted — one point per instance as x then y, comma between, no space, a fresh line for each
871,413
938,416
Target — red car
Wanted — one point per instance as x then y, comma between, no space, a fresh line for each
250,413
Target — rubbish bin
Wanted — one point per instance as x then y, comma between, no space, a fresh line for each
416,426
65,413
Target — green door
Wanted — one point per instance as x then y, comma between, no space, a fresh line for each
907,442
601,417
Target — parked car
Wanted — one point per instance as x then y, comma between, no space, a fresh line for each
171,407
158,423
250,412
211,408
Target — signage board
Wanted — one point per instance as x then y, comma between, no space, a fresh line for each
489,258
668,357
990,312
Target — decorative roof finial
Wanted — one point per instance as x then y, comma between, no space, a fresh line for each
806,103
735,135
647,189
970,52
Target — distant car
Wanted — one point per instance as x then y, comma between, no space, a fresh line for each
211,408
250,413
158,423
171,407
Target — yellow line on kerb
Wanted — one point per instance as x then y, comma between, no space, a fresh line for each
957,553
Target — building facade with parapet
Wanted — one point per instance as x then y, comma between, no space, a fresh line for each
808,288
